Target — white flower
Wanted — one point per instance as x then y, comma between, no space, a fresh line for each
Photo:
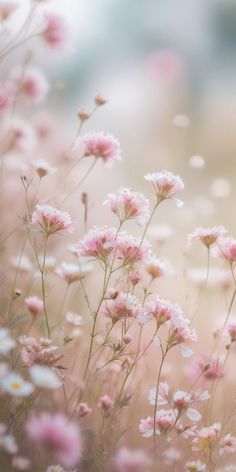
15,385
7,441
6,342
44,377
74,319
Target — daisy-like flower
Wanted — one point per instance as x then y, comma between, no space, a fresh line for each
206,438
34,305
6,342
44,377
73,272
227,444
164,420
226,249
33,352
55,31
129,205
51,220
195,466
7,441
99,145
98,243
15,385
123,305
57,432
43,168
207,236
126,460
166,185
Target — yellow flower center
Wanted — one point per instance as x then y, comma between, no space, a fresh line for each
16,385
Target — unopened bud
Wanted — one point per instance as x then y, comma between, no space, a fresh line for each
83,114
100,100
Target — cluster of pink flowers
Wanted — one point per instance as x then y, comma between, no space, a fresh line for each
51,220
99,145
120,305
129,205
42,352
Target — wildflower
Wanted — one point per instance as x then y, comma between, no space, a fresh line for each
135,277
42,352
210,370
124,305
162,310
226,249
22,136
32,84
72,272
34,305
99,145
163,395
131,461
56,432
195,466
105,403
165,419
6,342
207,236
130,249
55,31
7,7
83,114
98,243
227,444
83,409
43,168
7,441
206,437
44,377
166,185
100,99
157,267
51,220
129,205
15,385
74,319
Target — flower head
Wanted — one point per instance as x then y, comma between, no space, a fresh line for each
56,432
131,461
123,305
73,272
55,31
43,168
34,305
33,352
51,220
129,205
165,185
207,236
100,145
226,249
15,385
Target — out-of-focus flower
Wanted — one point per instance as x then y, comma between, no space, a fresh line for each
74,318
6,99
124,305
99,145
55,31
206,438
31,83
21,463
22,136
73,272
160,233
44,377
7,7
34,305
227,444
33,352
43,168
57,432
15,385
226,249
165,65
136,460
7,441
207,236
83,409
6,342
135,277
195,466
83,114
157,267
210,369
105,403
22,264
51,220
166,185
100,100
129,205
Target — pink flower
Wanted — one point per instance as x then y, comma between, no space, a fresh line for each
55,31
105,403
164,420
211,369
5,99
226,248
162,310
207,236
72,272
33,352
131,461
123,305
83,410
165,185
227,444
55,432
206,438
157,267
32,84
98,243
34,305
129,249
43,168
129,205
100,145
51,220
